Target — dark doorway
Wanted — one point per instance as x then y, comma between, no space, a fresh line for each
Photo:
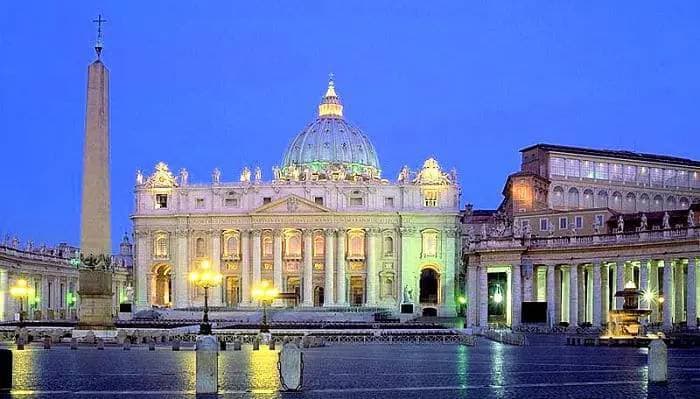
429,312
498,291
429,286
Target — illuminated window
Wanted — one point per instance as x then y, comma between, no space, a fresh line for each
696,180
558,196
318,246
643,175
199,203
587,169
601,171
161,201
573,167
573,200
616,200
669,177
682,179
429,243
356,244
616,172
267,246
388,246
430,198
557,166
232,245
684,203
630,174
199,249
293,245
161,246
657,176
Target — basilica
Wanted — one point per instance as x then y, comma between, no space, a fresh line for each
328,230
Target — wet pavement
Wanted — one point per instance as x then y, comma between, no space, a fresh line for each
543,369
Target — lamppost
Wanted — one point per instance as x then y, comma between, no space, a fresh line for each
265,294
21,290
205,278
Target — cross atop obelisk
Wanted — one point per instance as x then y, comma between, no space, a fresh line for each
98,43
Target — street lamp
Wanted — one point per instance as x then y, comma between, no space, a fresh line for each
21,290
205,278
265,294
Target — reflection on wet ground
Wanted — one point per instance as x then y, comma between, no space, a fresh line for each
544,369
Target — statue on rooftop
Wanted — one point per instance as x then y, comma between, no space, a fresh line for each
666,222
245,175
184,176
216,176
258,174
404,174
139,177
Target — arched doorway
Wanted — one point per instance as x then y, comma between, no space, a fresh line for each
318,296
429,286
162,284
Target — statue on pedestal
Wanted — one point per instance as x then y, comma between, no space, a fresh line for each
691,218
407,295
666,223
643,224
620,224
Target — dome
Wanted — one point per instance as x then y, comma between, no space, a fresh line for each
330,147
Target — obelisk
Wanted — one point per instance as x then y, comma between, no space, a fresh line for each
95,212
95,282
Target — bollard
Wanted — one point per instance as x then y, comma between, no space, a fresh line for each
658,361
74,343
127,344
271,345
100,344
237,345
256,343
152,344
207,364
5,370
47,342
176,344
291,364
20,343
222,345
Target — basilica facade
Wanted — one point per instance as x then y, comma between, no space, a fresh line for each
327,230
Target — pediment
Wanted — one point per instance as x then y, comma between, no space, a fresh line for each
291,204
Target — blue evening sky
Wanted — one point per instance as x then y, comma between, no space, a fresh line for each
202,84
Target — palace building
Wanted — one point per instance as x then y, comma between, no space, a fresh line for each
577,225
327,229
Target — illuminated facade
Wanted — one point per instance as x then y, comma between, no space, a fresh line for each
52,275
326,229
575,226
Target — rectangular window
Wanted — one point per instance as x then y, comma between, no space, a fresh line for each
657,176
579,222
573,168
231,202
318,200
544,224
199,203
616,172
630,173
562,223
643,175
696,180
356,201
161,201
431,198
588,169
267,200
682,179
601,170
557,166
388,202
599,219
669,177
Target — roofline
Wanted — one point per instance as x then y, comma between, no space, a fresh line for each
636,156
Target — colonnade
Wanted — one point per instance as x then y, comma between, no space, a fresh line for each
584,292
51,298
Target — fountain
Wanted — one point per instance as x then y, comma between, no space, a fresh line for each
624,324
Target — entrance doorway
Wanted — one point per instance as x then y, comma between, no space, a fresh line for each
163,285
357,290
498,297
233,291
318,296
429,283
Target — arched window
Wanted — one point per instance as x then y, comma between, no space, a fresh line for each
232,246
267,246
357,244
293,244
658,203
684,203
388,246
643,203
318,245
161,245
671,203
616,200
558,196
630,204
199,249
601,200
429,243
588,198
573,200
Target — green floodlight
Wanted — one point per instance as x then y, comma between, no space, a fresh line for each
462,300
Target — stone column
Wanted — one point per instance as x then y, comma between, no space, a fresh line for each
558,295
483,297
528,271
45,299
654,287
329,289
604,292
277,259
4,288
307,257
691,290
256,258
668,294
516,295
181,269
573,295
551,314
371,297
678,292
215,266
143,253
643,282
582,302
245,267
597,303
620,282
341,296
472,282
